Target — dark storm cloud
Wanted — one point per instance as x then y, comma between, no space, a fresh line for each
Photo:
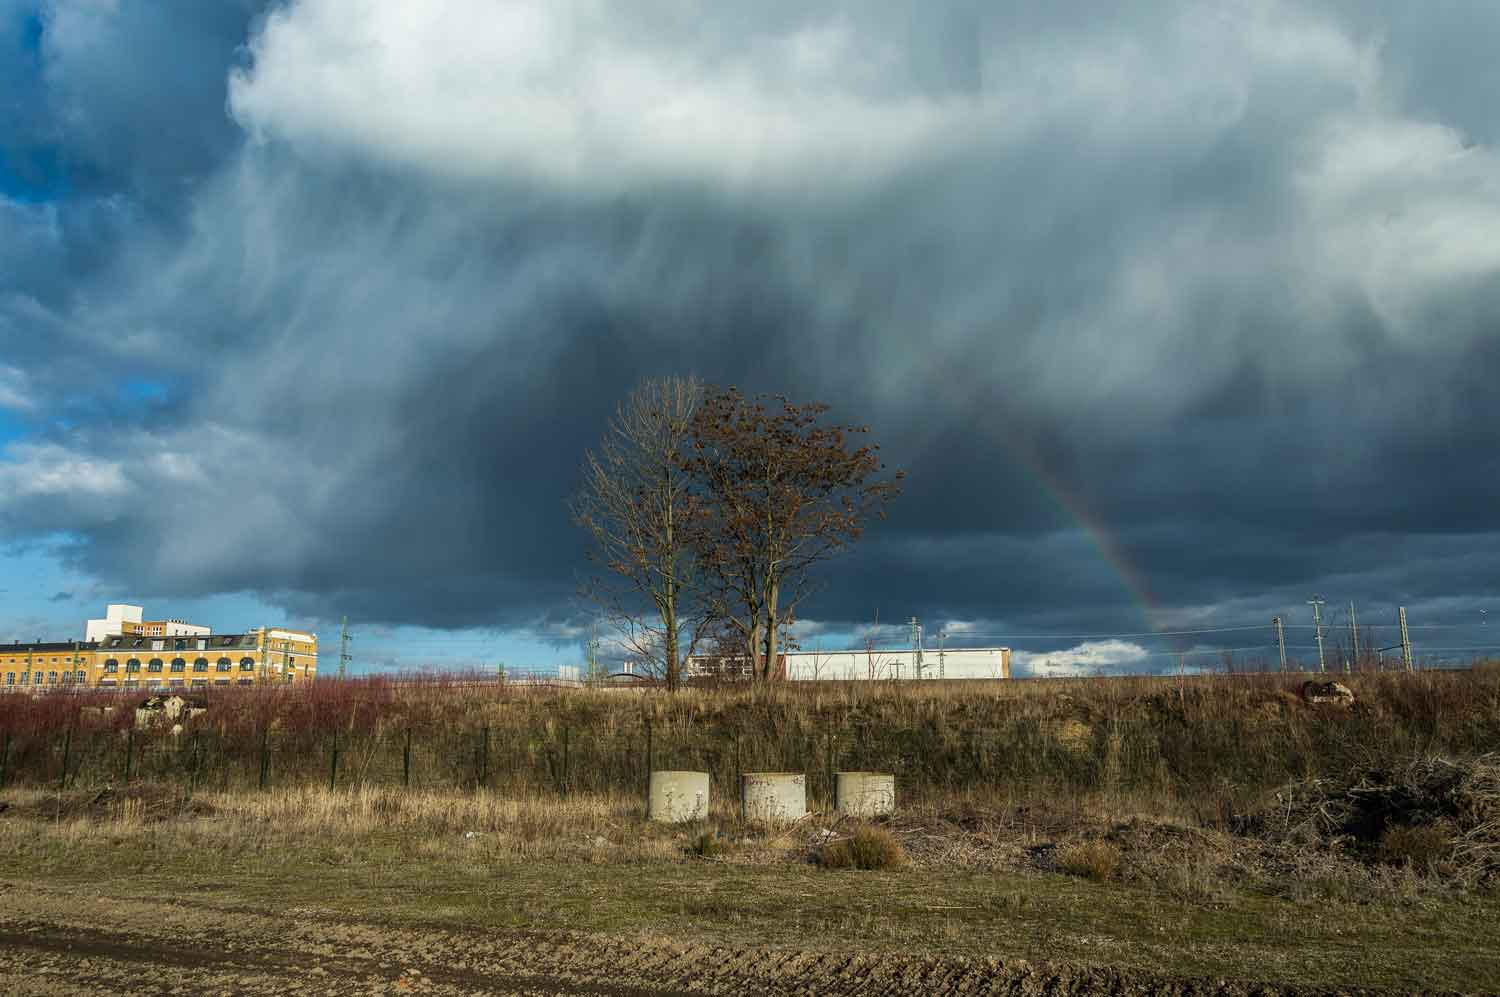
121,96
110,115
1218,281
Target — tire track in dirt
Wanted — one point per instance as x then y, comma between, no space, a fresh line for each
264,968
56,940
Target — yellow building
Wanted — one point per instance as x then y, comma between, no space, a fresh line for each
140,661
28,666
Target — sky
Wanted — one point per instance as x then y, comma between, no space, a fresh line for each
1177,316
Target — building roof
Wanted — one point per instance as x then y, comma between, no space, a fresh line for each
47,647
211,642
138,642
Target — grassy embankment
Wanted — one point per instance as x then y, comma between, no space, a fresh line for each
1133,823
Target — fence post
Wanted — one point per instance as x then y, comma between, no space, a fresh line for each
650,761
193,772
129,751
62,783
265,755
333,763
828,753
406,761
484,756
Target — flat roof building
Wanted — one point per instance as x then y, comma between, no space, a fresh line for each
867,665
123,618
123,651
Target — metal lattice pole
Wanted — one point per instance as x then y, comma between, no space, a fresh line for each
1353,639
1405,642
1317,605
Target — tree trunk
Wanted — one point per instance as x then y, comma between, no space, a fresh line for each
771,628
756,649
674,667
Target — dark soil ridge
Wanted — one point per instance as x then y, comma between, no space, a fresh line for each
348,956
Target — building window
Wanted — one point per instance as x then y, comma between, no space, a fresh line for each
179,645
199,683
221,681
78,677
107,683
153,683
247,681
154,665
67,678
178,665
201,665
247,664
25,678
133,665
175,682
111,665
224,664
10,678
51,677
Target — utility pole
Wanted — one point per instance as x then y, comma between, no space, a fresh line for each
344,639
1405,642
1281,641
1353,638
1317,605
916,646
593,676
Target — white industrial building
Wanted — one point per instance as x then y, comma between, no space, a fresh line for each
849,666
121,619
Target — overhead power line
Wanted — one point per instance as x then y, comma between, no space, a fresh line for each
965,635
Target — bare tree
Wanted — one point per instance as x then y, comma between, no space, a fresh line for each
639,504
782,491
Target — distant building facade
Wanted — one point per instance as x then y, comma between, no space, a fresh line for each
866,665
159,655
121,619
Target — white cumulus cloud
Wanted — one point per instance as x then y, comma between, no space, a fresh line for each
1089,658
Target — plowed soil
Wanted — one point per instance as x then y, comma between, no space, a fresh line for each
67,940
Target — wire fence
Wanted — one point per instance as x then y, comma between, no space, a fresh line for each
1165,736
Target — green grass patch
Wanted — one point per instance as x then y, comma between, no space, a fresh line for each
385,878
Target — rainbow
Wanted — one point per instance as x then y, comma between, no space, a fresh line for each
1103,541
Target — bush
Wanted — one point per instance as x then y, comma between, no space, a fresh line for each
1419,847
707,845
866,848
1096,860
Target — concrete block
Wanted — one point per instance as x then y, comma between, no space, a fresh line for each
678,796
774,797
864,794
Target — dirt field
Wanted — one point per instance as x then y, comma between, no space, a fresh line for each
78,941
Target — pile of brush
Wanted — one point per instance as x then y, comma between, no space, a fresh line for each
1436,815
